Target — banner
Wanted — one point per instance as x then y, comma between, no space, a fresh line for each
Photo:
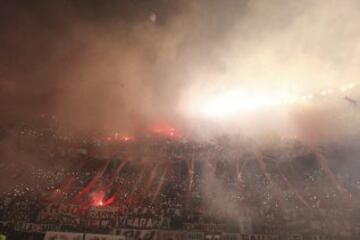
205,227
34,227
136,234
100,217
171,235
89,236
128,221
194,236
259,237
61,209
294,237
141,222
230,236
212,236
63,236
63,213
98,223
103,212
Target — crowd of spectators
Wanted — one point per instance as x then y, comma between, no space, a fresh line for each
234,182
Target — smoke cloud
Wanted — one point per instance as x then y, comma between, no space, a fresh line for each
119,66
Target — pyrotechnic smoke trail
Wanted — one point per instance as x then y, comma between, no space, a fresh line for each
239,171
151,178
117,171
110,183
171,171
93,181
209,179
276,190
296,192
160,184
139,180
190,164
239,175
298,195
110,200
325,166
115,174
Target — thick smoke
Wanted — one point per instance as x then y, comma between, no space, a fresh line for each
102,66
118,66
288,48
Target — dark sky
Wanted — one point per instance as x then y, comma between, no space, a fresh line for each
113,65
38,46
96,61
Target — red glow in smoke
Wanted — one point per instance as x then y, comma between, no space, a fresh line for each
100,203
165,130
110,200
119,138
98,199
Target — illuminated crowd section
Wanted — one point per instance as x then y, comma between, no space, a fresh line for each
228,103
165,182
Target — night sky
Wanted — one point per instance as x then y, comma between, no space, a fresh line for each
93,61
117,65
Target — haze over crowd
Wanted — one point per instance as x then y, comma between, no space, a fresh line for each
204,69
120,65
